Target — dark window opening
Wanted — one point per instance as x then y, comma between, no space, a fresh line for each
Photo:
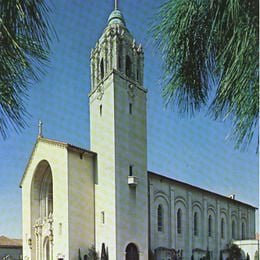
128,65
222,228
179,213
102,68
132,252
131,170
160,218
195,224
130,108
137,69
210,226
100,110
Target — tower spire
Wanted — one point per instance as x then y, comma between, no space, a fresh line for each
116,5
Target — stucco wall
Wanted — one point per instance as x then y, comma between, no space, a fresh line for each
81,203
173,195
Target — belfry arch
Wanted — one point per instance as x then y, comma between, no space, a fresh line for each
42,211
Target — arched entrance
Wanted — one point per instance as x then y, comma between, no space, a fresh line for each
132,252
46,249
42,211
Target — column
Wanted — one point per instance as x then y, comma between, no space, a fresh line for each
173,232
189,231
36,241
248,227
151,215
40,242
141,57
239,223
218,235
115,52
205,224
123,55
97,67
229,224
92,72
110,52
134,62
105,56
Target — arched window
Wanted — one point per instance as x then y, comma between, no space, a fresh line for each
195,224
243,230
102,68
233,229
131,252
128,66
160,218
46,197
210,226
179,216
222,228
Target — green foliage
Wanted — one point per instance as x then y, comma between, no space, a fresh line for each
92,253
208,43
234,252
25,35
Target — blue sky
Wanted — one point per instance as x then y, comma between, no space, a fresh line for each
194,150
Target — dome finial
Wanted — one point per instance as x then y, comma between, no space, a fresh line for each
116,5
116,16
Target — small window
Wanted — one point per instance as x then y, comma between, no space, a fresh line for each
103,217
210,226
233,229
100,110
195,224
222,228
131,170
60,228
179,216
160,218
102,68
130,108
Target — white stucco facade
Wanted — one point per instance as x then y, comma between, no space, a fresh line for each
64,227
219,219
74,198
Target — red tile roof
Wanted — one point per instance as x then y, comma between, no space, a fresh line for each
10,242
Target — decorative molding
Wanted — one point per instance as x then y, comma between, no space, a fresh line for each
131,90
100,91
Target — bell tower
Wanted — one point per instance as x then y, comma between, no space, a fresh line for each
118,135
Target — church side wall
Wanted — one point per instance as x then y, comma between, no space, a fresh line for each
81,203
174,196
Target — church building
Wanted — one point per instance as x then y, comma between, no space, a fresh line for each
73,198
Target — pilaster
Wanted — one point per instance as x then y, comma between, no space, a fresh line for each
173,231
189,231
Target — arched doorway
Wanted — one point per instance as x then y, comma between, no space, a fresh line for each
132,252
46,249
41,211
